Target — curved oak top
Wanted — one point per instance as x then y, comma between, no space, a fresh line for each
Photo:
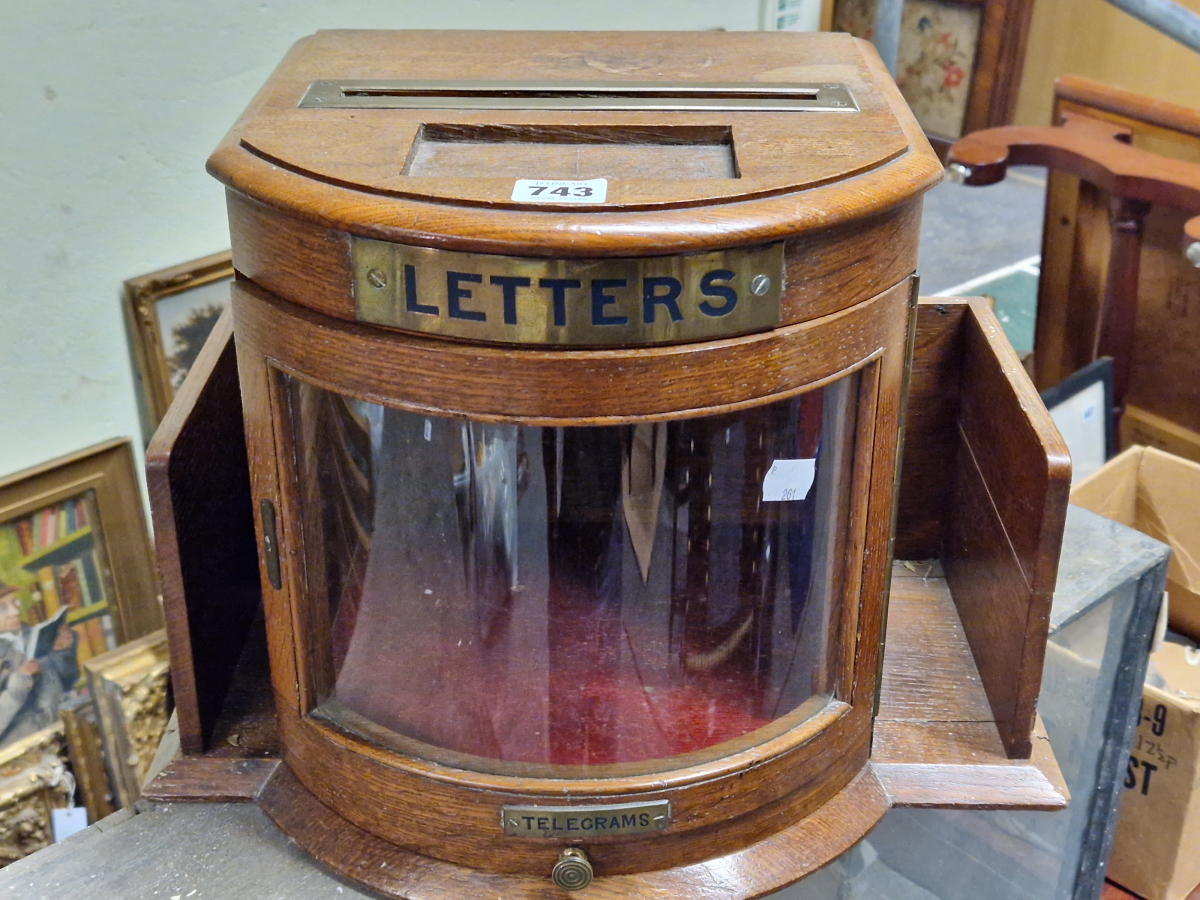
679,180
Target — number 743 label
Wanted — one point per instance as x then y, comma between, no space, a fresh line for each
529,190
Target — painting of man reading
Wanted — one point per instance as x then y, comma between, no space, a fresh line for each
55,596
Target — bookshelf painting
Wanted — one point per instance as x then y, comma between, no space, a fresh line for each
76,578
56,557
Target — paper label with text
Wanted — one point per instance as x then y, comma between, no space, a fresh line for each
789,479
530,190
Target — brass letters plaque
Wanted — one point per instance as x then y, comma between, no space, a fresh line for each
577,302
586,821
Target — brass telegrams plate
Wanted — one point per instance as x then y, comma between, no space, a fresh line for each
576,302
586,821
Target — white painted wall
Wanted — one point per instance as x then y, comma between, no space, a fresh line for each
107,114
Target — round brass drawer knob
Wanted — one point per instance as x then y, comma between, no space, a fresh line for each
572,871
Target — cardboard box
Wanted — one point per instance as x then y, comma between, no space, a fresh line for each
1141,427
1159,495
1156,850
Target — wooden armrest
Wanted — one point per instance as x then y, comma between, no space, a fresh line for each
1094,150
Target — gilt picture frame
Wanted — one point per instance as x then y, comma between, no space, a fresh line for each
85,753
33,782
77,578
130,688
171,312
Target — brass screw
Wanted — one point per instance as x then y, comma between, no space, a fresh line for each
759,285
572,871
377,278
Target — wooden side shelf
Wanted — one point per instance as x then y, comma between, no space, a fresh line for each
936,740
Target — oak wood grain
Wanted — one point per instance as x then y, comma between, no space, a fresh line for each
294,258
930,750
764,866
956,771
196,471
549,387
931,439
451,813
929,671
911,731
843,194
254,381
1005,525
747,794
825,271
791,180
936,742
771,156
210,779
293,204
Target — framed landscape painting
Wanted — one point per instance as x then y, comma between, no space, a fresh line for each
171,313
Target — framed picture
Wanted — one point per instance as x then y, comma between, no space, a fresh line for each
1081,405
129,688
85,754
76,579
33,783
171,313
957,64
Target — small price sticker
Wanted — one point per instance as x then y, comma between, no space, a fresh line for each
788,479
65,822
530,190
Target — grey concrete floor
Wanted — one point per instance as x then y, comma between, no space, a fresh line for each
183,851
970,231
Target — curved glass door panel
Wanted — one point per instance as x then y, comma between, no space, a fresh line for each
522,599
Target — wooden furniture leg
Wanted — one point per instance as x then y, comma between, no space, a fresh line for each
1118,316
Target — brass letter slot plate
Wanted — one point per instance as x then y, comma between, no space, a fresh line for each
574,302
581,95
586,821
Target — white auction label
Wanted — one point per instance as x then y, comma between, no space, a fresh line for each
530,190
65,822
789,479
